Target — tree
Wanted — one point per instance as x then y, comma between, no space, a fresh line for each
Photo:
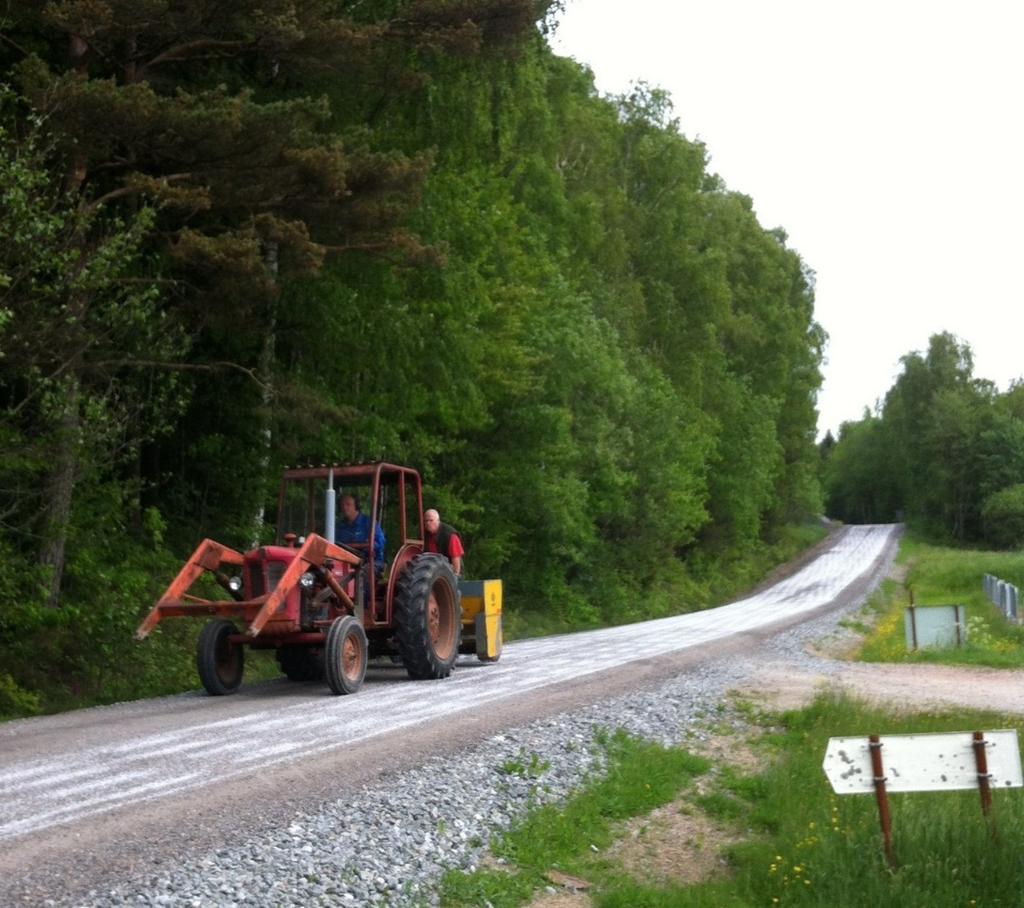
1000,447
204,112
941,452
1003,516
933,415
75,313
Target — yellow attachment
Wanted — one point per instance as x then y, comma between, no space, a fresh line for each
481,616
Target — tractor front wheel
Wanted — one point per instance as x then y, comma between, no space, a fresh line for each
346,655
219,661
428,617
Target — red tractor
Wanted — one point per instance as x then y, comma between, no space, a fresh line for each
326,607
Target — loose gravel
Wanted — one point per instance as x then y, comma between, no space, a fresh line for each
390,843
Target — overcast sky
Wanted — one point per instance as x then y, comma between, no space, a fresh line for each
885,138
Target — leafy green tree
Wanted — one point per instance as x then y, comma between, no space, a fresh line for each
944,453
859,484
933,414
206,113
958,420
79,318
1003,517
1000,447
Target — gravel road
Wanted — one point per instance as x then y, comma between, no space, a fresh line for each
283,795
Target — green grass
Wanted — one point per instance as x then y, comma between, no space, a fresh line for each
943,576
820,849
802,844
630,894
640,777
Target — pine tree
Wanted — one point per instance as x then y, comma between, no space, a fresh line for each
203,110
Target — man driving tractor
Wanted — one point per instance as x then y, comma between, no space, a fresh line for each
355,527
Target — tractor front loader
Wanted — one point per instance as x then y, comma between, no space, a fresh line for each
266,587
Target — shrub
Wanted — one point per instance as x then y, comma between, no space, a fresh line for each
1003,517
15,701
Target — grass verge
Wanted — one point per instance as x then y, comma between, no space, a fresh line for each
943,576
819,849
801,844
570,838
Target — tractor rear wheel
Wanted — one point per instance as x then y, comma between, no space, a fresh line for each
428,618
219,662
301,663
345,657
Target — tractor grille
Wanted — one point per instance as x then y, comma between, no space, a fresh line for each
264,576
256,581
275,571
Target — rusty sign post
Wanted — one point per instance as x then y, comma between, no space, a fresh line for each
932,762
981,764
881,796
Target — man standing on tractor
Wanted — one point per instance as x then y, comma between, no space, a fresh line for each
443,539
356,528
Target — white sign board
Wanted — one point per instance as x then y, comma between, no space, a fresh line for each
934,762
935,625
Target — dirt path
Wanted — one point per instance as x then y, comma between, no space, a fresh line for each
904,687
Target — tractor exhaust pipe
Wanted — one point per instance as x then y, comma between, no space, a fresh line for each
329,505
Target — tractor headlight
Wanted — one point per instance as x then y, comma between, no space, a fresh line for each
306,581
235,583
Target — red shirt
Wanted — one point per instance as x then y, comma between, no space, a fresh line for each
455,549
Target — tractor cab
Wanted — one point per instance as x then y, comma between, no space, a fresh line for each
387,497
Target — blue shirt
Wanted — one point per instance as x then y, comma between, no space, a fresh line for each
359,531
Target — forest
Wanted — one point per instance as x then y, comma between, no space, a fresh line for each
943,452
239,237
